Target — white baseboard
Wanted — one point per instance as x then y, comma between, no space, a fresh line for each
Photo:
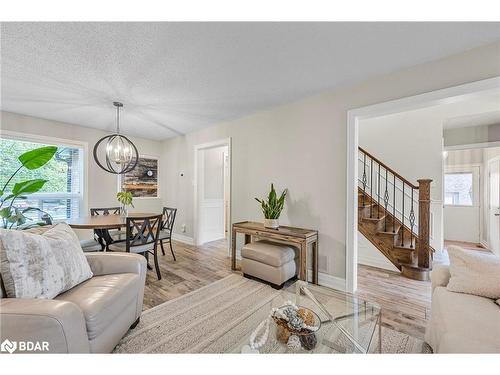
184,239
330,281
375,262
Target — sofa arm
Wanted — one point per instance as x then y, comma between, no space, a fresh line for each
440,276
110,263
57,326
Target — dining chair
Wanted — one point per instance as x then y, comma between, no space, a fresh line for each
142,233
167,227
106,236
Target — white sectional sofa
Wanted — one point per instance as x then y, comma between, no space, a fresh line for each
461,323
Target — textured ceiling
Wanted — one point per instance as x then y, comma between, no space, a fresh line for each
178,77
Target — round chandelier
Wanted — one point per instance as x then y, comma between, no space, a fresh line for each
120,153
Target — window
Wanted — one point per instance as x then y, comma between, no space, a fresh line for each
458,189
62,195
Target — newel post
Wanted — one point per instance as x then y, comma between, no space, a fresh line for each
424,213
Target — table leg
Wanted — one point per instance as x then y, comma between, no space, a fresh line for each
104,238
303,261
233,250
315,262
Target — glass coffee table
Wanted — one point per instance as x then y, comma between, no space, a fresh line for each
348,323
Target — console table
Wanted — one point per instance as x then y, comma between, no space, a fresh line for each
298,237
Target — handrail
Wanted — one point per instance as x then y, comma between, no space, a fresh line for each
388,168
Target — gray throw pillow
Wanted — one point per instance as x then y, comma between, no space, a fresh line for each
41,265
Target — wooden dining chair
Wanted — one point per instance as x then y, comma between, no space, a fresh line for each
142,233
105,236
167,227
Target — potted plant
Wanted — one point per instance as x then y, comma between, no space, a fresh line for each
272,208
125,198
12,216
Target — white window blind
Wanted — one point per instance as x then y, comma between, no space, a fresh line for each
62,194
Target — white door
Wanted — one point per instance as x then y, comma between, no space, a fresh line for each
494,206
211,194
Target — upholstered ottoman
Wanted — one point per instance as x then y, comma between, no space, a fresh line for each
269,261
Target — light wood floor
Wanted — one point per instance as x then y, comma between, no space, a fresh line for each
195,267
405,302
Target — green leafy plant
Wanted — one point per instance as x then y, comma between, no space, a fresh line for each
11,215
125,198
273,206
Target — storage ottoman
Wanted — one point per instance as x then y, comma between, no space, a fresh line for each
269,261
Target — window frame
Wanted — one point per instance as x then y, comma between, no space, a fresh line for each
55,141
474,171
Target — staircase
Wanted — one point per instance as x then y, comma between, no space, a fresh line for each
393,214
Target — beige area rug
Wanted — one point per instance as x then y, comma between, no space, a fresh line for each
220,317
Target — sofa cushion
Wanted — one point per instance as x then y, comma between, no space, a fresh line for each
474,272
41,264
268,252
464,323
103,298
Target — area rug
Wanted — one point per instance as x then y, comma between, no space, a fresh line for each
219,318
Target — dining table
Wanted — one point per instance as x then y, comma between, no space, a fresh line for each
102,224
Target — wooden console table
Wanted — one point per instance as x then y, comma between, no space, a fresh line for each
298,237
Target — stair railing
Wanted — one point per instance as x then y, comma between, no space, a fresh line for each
416,221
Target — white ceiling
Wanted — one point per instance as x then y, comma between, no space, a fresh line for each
175,78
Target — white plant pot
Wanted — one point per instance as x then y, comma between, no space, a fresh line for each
271,223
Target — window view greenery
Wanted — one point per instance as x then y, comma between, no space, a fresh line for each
61,196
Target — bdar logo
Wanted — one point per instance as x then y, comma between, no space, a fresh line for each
8,346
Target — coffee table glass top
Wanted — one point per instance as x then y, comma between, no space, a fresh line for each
348,323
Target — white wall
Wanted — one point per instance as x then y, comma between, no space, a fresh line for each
471,135
101,186
302,146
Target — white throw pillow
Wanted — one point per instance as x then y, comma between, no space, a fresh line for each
474,272
41,265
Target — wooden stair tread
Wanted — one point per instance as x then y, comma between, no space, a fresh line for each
405,247
373,218
390,231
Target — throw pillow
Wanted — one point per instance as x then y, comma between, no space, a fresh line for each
474,272
41,265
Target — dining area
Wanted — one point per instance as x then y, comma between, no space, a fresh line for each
116,230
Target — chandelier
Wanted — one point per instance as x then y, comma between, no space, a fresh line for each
120,153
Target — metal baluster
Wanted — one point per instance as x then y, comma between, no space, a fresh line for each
364,178
386,201
412,220
394,204
371,187
378,192
403,218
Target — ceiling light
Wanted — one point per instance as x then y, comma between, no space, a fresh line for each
120,153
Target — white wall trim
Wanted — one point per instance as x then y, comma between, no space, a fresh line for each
472,145
325,279
184,239
375,262
443,96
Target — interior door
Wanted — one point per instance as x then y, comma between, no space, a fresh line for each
494,206
211,195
